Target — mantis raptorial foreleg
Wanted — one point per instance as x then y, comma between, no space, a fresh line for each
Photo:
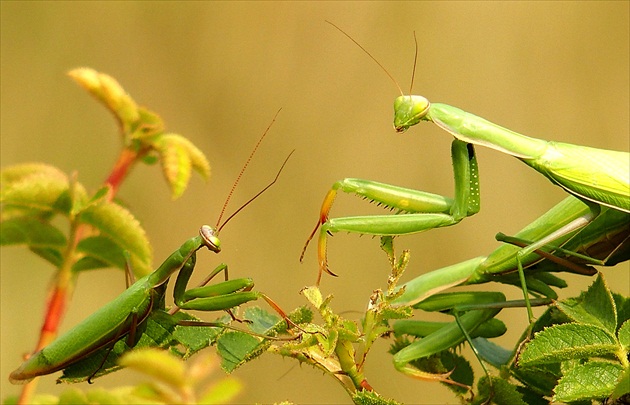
423,211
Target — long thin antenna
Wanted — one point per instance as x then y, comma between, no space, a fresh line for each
251,155
415,60
370,55
257,194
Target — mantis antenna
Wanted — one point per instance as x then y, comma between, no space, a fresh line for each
257,194
220,226
415,61
377,62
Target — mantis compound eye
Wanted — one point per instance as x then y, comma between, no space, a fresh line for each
208,234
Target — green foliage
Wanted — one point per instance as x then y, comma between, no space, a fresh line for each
590,350
142,131
371,398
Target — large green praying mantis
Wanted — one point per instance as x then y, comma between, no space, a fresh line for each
122,316
593,223
599,178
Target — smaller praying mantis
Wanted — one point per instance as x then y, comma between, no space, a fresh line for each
122,316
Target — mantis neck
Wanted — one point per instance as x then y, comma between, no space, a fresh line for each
175,261
470,128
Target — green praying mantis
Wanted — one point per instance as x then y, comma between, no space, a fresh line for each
590,226
122,316
600,178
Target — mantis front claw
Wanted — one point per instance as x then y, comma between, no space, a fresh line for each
321,245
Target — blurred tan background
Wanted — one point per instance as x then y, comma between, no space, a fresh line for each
217,73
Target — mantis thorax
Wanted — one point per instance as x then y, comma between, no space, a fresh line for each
409,110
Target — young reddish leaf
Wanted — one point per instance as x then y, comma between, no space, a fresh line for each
198,160
176,163
108,91
12,174
178,156
38,192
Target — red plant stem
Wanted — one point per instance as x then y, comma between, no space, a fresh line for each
120,170
61,292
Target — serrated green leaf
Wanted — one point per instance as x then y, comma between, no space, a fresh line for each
89,263
178,157
371,398
462,371
328,342
51,255
540,379
592,380
401,312
551,316
30,232
195,338
176,163
623,386
198,160
120,226
567,341
301,315
109,92
103,250
236,348
313,295
501,392
16,173
348,330
595,306
38,192
624,335
623,308
261,321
